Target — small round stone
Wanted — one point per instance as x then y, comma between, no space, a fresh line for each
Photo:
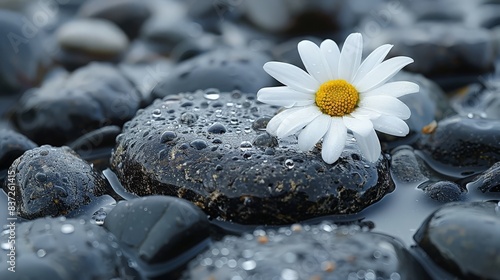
95,36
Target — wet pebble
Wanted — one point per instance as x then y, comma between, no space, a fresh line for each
59,248
406,167
53,181
159,231
84,40
462,238
323,251
444,191
212,148
225,70
69,106
462,146
129,15
488,181
23,58
12,145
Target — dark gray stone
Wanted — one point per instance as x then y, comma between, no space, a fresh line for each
67,107
322,251
463,239
52,182
159,231
59,248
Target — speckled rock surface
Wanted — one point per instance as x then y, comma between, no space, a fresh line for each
211,148
59,248
52,181
318,252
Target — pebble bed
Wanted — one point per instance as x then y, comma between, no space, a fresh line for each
132,145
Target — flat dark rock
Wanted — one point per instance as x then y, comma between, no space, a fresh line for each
212,149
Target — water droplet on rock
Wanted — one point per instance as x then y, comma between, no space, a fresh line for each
41,253
198,144
167,136
67,228
217,128
265,140
156,113
188,118
289,274
289,163
41,177
245,146
249,265
211,94
260,124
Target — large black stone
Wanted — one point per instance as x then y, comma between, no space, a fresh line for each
212,149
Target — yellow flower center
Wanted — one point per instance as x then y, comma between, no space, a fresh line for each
337,98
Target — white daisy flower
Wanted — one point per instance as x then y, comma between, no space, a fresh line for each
339,93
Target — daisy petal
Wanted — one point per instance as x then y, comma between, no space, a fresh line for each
364,113
391,125
386,105
313,61
313,132
334,141
275,122
331,53
297,121
365,137
383,72
284,96
350,56
372,60
292,76
394,89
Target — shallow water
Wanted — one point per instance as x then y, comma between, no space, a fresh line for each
401,212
